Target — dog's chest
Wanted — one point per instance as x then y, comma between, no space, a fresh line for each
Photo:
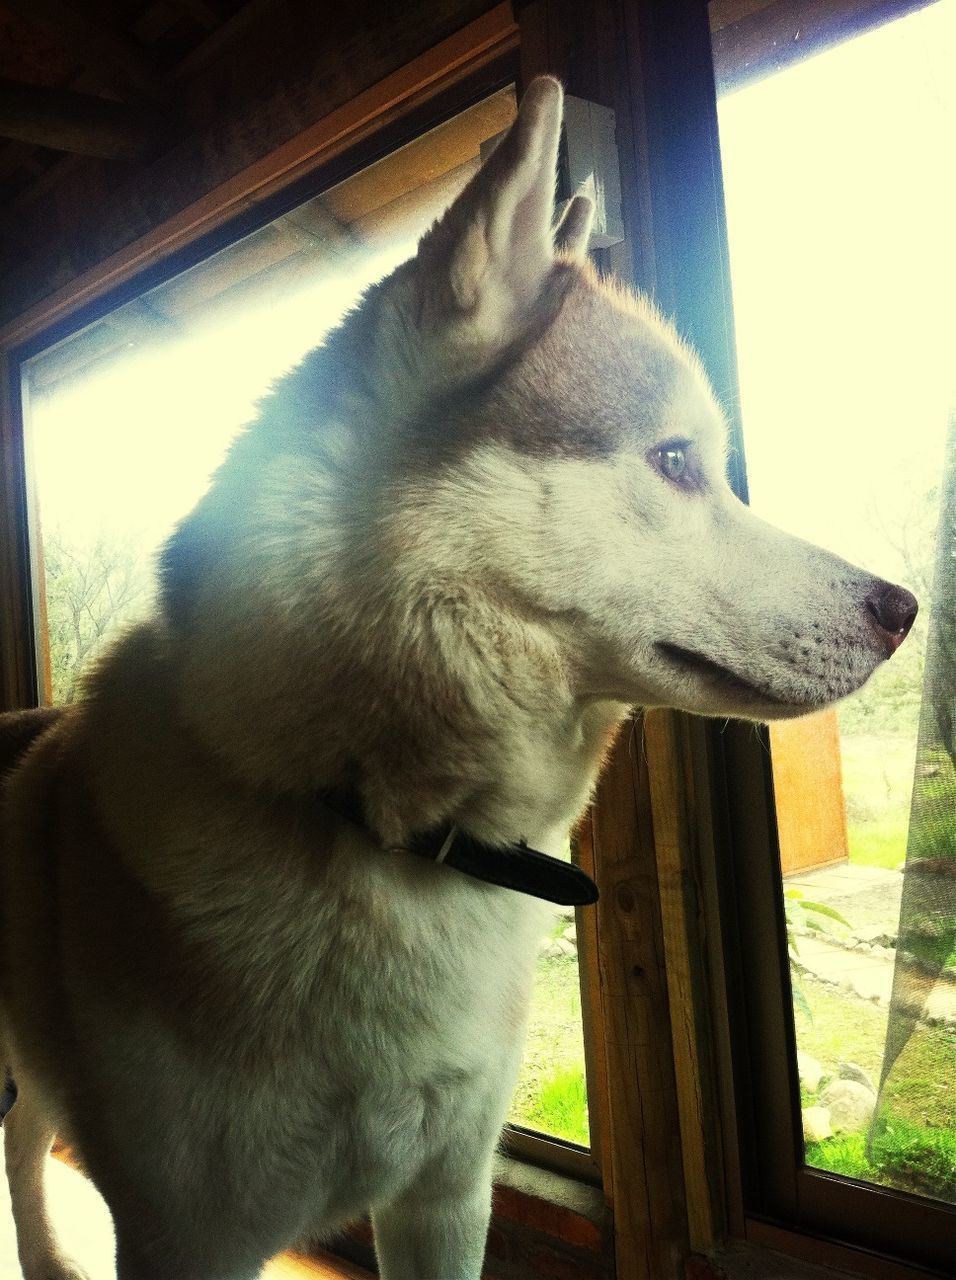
390,1030
409,962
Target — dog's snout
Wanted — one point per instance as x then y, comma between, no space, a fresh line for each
892,610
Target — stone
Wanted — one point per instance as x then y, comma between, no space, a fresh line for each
870,934
557,948
852,1071
811,1071
850,1104
816,1124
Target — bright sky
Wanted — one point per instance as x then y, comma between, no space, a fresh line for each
841,193
130,449
841,205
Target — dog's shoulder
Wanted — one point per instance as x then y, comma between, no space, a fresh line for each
19,730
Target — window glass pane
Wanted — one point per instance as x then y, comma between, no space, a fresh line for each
126,420
841,204
552,1093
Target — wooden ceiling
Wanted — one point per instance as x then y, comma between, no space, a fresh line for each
96,77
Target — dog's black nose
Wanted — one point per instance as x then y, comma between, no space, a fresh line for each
892,610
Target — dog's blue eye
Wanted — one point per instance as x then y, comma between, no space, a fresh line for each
672,460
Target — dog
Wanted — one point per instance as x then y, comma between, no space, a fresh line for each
457,544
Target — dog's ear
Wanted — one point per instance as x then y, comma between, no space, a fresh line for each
479,279
482,267
573,232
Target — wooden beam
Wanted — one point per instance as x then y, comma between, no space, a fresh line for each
74,122
675,837
642,1139
87,33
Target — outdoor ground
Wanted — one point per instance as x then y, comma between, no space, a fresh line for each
551,1094
845,975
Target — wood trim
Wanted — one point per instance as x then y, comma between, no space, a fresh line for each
595,1029
716,925
17,676
483,41
643,1132
671,793
827,1253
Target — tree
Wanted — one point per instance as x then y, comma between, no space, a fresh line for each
890,702
91,591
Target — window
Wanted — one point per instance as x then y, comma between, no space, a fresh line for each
126,420
655,1080
840,213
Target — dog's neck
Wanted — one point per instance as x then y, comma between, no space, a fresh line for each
369,664
431,719
459,722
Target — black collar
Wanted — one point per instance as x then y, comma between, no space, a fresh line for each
512,866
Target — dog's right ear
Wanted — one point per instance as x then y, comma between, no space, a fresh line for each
481,270
496,238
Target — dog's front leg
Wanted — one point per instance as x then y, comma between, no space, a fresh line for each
28,1136
434,1232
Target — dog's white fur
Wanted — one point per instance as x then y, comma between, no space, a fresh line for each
439,568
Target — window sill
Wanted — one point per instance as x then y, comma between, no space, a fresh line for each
807,1258
746,1263
546,1225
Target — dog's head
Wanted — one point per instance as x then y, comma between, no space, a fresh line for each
502,475
565,453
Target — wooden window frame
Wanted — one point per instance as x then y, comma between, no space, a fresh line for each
481,57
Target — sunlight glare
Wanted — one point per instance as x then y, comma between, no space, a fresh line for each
841,199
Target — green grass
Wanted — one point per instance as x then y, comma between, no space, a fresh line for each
877,844
845,1154
915,1147
561,1106
551,1094
845,1029
877,783
909,1157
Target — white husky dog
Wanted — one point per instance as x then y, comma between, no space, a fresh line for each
455,546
